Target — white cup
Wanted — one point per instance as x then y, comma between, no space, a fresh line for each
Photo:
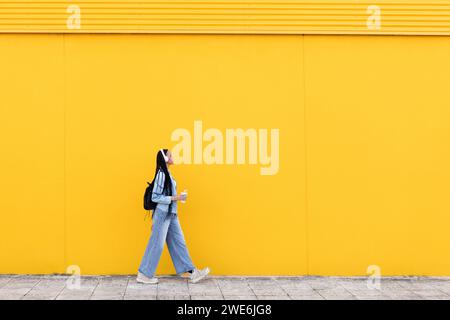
184,194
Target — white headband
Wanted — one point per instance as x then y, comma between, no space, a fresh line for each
166,158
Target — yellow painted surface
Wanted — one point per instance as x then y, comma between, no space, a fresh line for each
125,96
364,151
378,154
411,17
32,154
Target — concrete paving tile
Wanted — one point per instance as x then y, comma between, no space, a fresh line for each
273,297
21,283
299,291
107,296
322,284
203,285
47,290
174,292
354,285
172,281
114,290
307,297
15,292
205,291
288,283
113,282
394,284
235,288
338,293
179,285
236,292
339,297
367,292
8,296
52,276
402,294
257,278
438,298
74,296
146,289
106,290
140,286
401,291
140,293
232,289
241,286
90,281
4,281
373,297
52,283
333,291
151,290
206,297
429,293
290,278
264,287
170,285
390,285
419,286
41,296
406,297
177,290
243,290
173,297
293,285
81,290
444,288
231,282
275,289
239,297
140,297
269,292
260,282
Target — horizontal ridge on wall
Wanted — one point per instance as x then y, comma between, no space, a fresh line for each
222,17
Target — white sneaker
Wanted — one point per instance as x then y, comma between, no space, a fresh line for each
142,278
198,275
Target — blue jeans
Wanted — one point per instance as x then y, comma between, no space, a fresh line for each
166,228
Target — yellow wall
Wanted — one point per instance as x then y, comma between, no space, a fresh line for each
364,151
32,154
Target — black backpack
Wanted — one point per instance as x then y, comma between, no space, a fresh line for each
148,203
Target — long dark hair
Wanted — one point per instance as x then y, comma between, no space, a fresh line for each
162,165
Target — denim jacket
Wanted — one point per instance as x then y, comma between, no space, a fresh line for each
163,201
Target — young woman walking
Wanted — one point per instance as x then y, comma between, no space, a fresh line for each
166,227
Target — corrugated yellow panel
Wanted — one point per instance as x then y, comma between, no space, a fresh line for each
269,17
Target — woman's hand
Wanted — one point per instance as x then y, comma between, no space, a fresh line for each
178,197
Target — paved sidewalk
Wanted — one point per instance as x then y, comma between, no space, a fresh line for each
220,287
